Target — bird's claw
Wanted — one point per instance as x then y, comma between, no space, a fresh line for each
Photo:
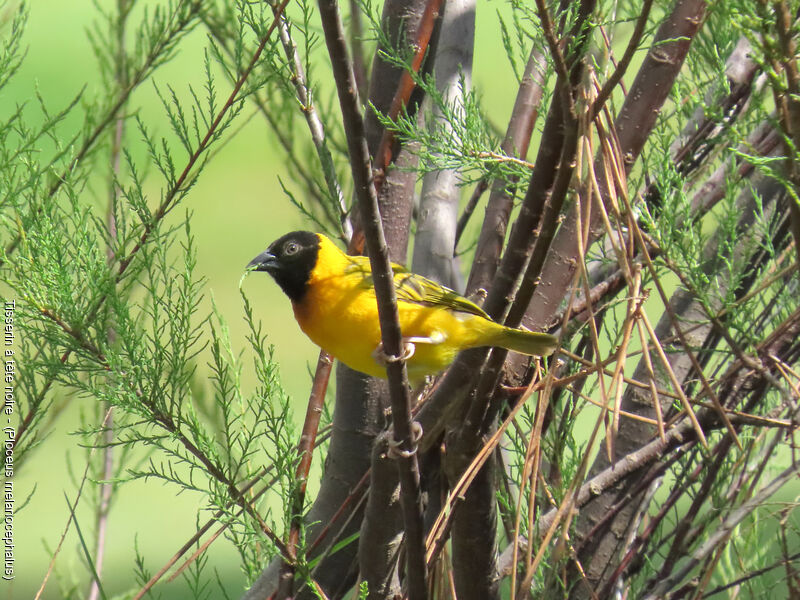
381,357
394,445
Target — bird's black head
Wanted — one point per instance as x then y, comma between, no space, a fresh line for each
290,260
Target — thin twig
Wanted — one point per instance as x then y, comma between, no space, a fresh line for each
107,485
622,67
69,520
391,335
305,449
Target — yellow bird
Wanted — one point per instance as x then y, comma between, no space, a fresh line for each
334,303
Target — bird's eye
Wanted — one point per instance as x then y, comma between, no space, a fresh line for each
291,248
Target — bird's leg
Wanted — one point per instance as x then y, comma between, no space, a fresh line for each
394,445
380,356
409,348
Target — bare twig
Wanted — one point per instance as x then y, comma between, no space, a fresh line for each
393,344
315,126
619,72
516,141
305,450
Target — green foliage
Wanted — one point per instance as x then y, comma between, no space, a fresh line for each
116,324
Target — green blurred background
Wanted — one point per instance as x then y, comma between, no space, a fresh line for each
237,209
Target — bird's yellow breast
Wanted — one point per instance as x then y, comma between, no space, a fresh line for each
339,313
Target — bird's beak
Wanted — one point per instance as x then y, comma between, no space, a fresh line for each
265,261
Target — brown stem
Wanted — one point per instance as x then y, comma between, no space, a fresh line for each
305,450
516,142
619,72
384,155
385,293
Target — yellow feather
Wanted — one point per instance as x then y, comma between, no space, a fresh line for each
339,313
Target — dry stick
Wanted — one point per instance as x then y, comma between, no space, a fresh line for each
635,301
305,449
591,369
613,173
530,471
708,194
619,72
315,126
567,508
584,277
393,345
634,123
498,208
651,377
633,225
720,450
590,400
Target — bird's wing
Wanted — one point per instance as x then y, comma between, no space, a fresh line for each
416,289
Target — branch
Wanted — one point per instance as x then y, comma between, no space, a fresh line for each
382,527
315,126
435,241
516,142
619,72
305,450
393,344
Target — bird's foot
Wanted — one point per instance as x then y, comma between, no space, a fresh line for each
394,445
382,358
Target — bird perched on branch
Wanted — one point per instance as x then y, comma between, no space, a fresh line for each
334,303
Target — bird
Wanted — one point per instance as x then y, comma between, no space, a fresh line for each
334,303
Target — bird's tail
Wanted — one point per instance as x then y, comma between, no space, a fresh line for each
525,342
